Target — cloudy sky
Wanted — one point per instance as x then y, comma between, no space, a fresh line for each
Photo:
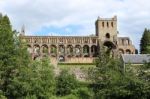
77,17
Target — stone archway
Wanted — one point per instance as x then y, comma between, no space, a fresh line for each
70,51
53,50
78,51
36,49
44,48
109,47
94,50
121,51
128,51
61,49
86,50
61,58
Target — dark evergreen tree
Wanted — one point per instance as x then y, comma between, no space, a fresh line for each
145,42
20,77
7,53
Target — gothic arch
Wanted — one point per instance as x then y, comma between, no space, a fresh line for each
61,49
44,48
86,50
36,49
109,47
78,50
121,51
69,50
128,51
61,58
94,50
53,49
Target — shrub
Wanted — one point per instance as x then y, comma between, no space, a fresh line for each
65,83
83,93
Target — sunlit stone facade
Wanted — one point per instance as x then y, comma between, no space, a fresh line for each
80,49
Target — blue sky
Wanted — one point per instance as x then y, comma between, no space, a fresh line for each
77,17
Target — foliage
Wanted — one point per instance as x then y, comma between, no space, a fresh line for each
36,81
110,82
21,78
9,54
65,83
83,93
145,42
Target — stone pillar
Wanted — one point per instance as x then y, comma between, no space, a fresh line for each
41,49
57,52
74,51
82,51
90,53
65,53
49,50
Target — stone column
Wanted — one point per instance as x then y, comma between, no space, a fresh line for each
41,50
65,52
49,50
57,52
90,53
82,51
74,51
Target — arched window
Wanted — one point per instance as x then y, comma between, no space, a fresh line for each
107,24
121,51
112,25
128,51
107,35
102,24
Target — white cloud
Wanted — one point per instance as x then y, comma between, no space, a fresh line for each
133,15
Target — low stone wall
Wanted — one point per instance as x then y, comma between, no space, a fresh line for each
74,60
80,60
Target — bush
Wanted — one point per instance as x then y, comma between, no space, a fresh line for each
83,93
65,83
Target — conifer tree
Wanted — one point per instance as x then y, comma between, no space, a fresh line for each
7,52
145,42
12,55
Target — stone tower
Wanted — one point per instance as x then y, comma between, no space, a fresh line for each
106,29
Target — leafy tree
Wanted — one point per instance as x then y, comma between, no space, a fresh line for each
20,77
145,42
36,80
8,53
110,82
65,83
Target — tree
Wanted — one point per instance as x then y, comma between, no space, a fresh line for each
20,77
65,83
8,52
145,42
37,81
110,82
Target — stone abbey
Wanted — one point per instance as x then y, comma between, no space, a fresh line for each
80,49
